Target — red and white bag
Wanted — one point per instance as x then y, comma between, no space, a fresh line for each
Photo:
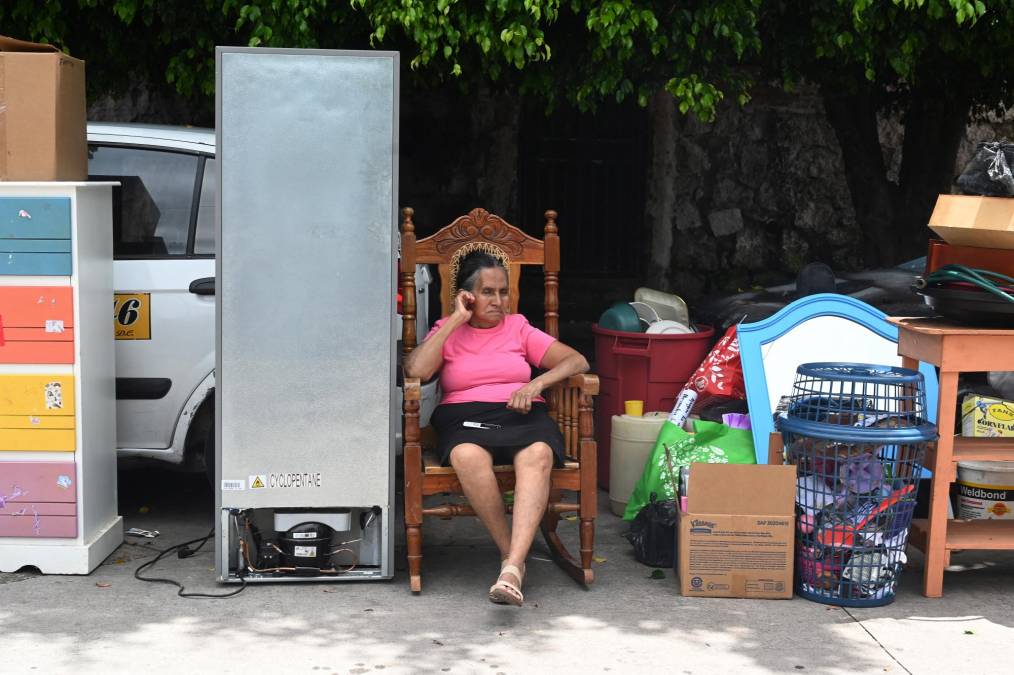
719,375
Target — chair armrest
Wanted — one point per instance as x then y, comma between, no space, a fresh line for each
412,389
587,383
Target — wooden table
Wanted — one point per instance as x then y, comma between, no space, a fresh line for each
955,349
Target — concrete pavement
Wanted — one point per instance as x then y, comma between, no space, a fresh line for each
626,623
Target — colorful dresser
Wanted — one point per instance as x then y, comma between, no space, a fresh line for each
57,378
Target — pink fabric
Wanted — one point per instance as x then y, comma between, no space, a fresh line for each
489,364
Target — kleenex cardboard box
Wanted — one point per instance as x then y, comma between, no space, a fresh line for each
736,538
42,113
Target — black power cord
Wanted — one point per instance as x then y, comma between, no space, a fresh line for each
184,551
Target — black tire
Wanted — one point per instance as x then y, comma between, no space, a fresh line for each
209,449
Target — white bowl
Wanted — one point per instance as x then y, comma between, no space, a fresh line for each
645,313
666,327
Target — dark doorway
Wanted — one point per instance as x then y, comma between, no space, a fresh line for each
591,168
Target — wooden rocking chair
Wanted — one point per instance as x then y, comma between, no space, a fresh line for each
570,403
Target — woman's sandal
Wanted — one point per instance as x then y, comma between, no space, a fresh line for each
504,592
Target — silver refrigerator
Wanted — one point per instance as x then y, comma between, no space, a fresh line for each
306,280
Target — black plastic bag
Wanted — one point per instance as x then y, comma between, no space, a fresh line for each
989,172
653,533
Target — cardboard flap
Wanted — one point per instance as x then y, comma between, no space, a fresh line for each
755,489
9,44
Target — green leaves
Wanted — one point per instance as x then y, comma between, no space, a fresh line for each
583,51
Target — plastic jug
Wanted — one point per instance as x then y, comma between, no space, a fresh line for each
632,440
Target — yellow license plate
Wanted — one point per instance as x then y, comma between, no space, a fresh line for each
132,316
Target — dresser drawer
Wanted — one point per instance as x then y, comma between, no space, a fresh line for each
34,218
35,246
36,324
35,306
42,508
40,395
36,264
31,525
38,482
37,352
37,440
36,422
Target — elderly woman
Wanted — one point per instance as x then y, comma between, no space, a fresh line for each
492,411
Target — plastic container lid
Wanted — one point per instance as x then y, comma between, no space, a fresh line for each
998,467
648,417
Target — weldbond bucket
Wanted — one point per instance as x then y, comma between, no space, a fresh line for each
986,490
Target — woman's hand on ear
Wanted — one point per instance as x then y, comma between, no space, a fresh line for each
521,400
463,303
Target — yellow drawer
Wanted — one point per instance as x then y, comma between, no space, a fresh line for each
36,422
37,440
40,395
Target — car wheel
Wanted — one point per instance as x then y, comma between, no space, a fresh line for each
209,450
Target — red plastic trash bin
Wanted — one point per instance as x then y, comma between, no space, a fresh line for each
644,367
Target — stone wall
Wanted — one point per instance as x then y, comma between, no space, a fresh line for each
748,200
742,201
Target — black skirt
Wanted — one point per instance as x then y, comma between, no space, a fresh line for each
517,430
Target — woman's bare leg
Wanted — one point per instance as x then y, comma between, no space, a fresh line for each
474,466
532,467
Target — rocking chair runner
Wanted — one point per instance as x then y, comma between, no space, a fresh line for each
570,403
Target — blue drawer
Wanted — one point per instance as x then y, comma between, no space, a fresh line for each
34,217
34,245
46,264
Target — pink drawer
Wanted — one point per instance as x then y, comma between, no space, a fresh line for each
37,482
42,509
30,525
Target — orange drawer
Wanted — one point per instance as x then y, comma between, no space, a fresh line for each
36,324
33,306
37,335
37,352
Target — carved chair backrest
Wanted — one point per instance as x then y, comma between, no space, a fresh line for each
478,230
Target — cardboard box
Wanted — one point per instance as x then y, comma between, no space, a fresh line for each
986,417
966,220
940,253
736,538
42,113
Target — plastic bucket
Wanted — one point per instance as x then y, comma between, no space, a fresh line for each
633,439
643,367
986,490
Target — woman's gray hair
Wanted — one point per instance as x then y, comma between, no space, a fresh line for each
471,267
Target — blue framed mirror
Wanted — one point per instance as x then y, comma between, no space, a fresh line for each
821,327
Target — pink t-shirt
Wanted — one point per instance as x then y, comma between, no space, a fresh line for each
489,364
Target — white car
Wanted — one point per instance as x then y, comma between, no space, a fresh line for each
164,276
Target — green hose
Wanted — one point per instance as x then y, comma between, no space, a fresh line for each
984,279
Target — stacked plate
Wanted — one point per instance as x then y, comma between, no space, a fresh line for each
651,312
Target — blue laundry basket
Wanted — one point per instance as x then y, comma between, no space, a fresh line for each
857,434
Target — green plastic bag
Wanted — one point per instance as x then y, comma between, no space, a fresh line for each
711,442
